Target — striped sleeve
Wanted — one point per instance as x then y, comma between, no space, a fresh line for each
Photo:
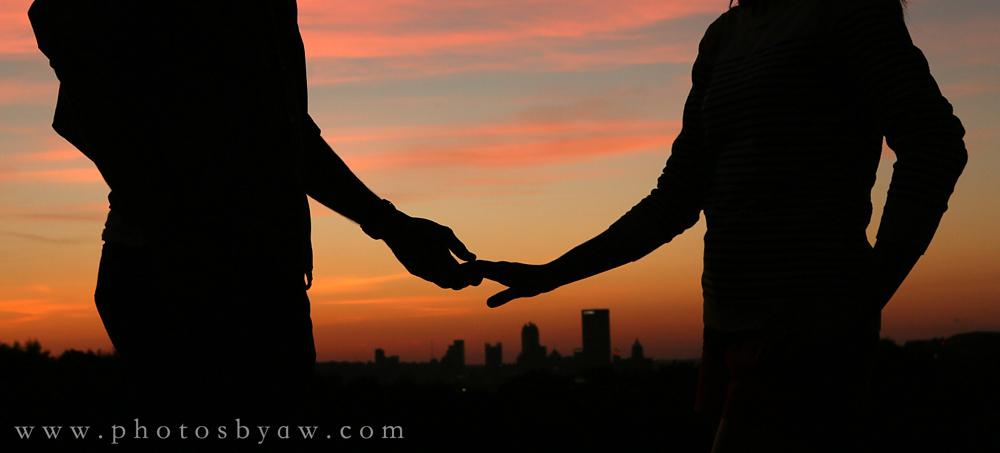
677,201
916,120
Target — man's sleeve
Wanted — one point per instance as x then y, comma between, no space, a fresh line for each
328,180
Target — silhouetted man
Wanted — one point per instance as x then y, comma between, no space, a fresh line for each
196,115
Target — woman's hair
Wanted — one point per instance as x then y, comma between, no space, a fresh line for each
751,3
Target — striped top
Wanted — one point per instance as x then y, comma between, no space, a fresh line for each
781,138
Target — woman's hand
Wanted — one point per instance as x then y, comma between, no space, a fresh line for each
523,280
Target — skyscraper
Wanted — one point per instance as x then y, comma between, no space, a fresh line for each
596,337
454,358
532,352
529,337
494,356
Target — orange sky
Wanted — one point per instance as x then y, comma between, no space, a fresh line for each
527,126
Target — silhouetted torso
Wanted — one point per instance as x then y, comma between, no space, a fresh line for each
195,113
782,136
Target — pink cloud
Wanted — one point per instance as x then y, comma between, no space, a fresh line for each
419,27
16,36
517,154
410,37
546,122
85,212
534,17
49,156
28,91
518,144
525,54
68,175
55,162
970,88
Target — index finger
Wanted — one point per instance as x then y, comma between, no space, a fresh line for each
507,295
458,248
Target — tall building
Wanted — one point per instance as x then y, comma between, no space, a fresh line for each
382,359
532,352
637,353
454,358
529,337
494,356
596,337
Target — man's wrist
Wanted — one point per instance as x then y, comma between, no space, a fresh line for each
383,220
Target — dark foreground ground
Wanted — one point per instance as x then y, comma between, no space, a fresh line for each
934,395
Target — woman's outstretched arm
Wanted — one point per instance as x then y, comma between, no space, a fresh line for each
672,207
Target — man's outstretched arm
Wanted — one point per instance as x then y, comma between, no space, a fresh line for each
424,247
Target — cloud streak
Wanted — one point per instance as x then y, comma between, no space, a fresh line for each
549,152
64,176
85,212
35,92
16,36
513,145
40,238
351,283
26,310
393,38
492,20
48,156
408,300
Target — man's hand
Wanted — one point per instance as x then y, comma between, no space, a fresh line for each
523,280
425,249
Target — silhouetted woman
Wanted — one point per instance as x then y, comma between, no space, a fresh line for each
782,134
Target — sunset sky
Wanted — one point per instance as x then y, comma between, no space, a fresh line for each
528,126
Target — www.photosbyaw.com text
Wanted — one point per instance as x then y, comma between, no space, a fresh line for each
238,431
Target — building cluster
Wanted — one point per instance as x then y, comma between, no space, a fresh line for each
381,359
596,350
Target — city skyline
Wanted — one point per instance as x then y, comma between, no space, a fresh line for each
533,354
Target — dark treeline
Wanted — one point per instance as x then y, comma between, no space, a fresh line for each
928,395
